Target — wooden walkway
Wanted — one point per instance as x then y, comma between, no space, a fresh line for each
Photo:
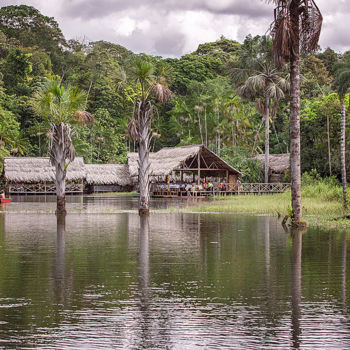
245,188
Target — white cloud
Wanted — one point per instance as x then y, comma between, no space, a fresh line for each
176,27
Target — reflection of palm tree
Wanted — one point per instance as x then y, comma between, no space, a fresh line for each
296,286
343,271
144,277
59,258
267,254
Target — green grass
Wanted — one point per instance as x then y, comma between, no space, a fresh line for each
321,203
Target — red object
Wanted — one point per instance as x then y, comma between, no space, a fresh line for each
5,200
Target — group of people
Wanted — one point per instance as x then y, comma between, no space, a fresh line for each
203,186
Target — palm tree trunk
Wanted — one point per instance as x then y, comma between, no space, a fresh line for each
205,124
342,152
329,148
200,127
267,137
295,162
145,110
60,176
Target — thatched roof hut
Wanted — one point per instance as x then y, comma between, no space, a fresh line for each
107,174
170,159
278,165
39,169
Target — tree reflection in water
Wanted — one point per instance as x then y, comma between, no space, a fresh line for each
145,336
297,236
343,272
59,275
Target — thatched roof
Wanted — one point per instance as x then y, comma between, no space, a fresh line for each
39,169
168,159
278,163
107,174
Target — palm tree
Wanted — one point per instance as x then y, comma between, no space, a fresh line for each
63,106
140,124
297,26
262,81
342,85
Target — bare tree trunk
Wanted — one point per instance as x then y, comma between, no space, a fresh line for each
342,152
219,145
329,148
295,163
205,124
200,127
267,137
145,113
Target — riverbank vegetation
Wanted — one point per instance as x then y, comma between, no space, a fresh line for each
322,202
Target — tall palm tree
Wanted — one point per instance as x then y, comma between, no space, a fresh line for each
63,106
261,81
342,85
139,127
297,26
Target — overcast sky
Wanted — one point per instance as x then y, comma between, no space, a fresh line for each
173,28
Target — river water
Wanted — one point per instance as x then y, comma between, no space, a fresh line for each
103,280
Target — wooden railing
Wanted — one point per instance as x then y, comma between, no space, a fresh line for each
245,188
263,187
48,188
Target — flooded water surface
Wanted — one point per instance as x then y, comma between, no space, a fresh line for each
175,281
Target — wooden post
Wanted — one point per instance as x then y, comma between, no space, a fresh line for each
182,176
227,184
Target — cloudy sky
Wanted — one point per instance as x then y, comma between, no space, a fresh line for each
175,27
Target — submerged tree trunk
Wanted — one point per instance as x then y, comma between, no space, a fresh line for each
342,152
145,115
267,137
295,163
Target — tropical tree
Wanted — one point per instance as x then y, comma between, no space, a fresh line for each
258,79
297,26
342,86
142,72
63,106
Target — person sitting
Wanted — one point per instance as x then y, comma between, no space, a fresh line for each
210,187
222,186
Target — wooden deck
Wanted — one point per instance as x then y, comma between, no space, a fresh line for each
245,188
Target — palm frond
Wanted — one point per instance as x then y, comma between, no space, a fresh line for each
83,118
283,33
161,92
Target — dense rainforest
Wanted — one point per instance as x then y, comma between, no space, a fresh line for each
218,97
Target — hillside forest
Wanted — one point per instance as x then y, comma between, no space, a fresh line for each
218,97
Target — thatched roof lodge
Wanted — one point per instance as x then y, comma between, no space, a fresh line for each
39,169
107,177
278,165
193,159
36,175
180,164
